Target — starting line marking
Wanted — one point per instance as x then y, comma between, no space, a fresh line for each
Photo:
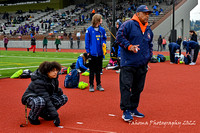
85,129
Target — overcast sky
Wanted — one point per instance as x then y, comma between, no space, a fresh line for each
195,12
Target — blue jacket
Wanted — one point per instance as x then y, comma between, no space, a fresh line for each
80,63
174,46
131,33
189,45
92,39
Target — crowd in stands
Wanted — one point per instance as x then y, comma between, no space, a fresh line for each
77,16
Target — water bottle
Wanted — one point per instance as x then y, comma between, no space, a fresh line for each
158,59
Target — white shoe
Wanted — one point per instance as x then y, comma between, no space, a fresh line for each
118,71
171,63
192,63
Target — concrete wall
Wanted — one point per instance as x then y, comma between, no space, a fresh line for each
51,45
182,21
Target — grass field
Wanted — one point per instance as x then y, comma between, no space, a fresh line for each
11,61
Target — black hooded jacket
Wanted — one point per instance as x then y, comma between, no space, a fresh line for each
41,85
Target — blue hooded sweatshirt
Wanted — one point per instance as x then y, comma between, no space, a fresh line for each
189,45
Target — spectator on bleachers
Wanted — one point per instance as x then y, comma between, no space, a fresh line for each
83,17
37,28
161,11
157,13
65,34
93,12
11,33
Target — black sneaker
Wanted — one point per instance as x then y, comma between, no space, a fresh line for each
27,49
99,88
34,122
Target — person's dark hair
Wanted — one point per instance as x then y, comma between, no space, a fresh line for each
85,55
46,67
192,31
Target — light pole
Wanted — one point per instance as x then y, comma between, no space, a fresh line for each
173,31
113,29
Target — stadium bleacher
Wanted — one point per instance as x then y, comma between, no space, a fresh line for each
60,23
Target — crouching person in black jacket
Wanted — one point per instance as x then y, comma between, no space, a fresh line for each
43,96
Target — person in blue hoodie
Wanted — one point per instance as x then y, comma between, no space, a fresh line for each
135,38
95,39
81,64
192,49
173,47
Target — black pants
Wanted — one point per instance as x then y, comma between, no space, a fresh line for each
160,45
95,66
5,45
45,46
71,42
83,70
172,55
57,48
131,85
196,51
78,42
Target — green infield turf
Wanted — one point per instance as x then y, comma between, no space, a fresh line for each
11,61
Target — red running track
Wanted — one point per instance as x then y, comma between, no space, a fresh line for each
171,96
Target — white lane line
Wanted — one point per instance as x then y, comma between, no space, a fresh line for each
43,57
27,67
85,129
39,57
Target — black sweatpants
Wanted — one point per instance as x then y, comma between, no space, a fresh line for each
172,54
196,52
57,48
5,46
95,66
132,81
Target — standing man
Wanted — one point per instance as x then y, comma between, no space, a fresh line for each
57,43
135,38
179,41
78,35
5,40
95,39
160,43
